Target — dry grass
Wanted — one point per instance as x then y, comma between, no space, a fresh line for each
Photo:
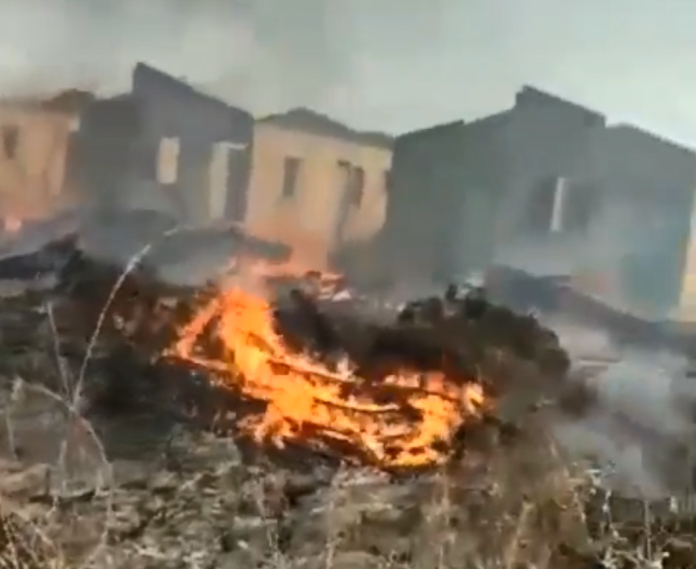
514,508
505,522
71,399
504,518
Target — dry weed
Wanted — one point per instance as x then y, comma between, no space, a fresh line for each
79,431
527,509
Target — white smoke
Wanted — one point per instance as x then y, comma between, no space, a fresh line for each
582,343
264,55
614,232
643,425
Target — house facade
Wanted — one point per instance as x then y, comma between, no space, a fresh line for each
198,146
166,146
34,145
475,192
316,184
547,187
104,162
648,186
424,201
686,309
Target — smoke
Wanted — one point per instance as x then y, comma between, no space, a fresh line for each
613,233
623,236
262,54
386,63
582,343
643,422
642,426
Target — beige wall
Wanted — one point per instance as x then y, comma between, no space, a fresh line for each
308,221
32,178
687,298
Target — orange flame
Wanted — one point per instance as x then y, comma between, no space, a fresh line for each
409,425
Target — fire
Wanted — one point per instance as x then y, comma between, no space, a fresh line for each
405,419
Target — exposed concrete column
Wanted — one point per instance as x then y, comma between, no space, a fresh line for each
686,310
168,161
559,203
218,177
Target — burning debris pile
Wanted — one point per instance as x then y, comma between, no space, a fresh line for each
294,373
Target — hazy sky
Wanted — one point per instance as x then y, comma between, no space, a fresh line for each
388,64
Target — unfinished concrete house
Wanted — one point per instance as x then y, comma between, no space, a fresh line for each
168,147
649,185
200,147
105,166
317,184
462,192
548,187
34,145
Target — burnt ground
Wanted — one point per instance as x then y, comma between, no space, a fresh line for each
119,473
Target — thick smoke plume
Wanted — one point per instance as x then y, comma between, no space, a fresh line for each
262,54
389,65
